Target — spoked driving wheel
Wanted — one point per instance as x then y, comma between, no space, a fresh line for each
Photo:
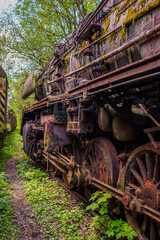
142,181
70,152
101,160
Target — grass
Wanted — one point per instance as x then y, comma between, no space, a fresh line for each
8,229
12,146
53,209
52,206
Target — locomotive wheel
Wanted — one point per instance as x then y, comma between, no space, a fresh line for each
142,180
101,160
28,141
70,151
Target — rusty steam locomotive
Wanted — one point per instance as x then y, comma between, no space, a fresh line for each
97,119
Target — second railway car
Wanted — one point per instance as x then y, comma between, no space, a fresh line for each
8,119
3,105
97,119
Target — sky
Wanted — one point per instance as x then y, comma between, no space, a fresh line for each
6,4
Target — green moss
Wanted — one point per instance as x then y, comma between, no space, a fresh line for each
123,33
116,7
133,15
142,2
112,37
118,17
130,17
107,23
94,36
83,45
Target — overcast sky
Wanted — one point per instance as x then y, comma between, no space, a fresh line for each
6,4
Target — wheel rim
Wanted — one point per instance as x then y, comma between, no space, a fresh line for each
143,181
101,160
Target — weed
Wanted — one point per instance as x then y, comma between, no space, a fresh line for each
7,229
50,205
117,228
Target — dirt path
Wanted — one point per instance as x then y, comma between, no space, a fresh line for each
24,222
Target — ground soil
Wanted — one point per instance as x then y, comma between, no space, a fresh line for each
22,210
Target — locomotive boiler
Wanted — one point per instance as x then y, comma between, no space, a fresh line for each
97,119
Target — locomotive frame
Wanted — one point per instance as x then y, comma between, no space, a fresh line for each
96,121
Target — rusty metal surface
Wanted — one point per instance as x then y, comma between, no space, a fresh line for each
128,71
28,88
144,35
125,72
141,181
101,160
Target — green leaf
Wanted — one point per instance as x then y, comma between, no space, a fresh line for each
93,206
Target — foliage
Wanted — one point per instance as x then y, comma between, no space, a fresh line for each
29,35
51,208
15,99
7,229
117,228
36,27
12,146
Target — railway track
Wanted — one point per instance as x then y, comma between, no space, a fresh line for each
76,195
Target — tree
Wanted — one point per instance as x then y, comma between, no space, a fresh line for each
38,26
31,33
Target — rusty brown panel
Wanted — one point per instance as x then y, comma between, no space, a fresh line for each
130,70
47,118
39,104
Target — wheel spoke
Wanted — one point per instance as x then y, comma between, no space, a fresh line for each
102,156
66,152
158,228
149,166
93,154
90,159
133,186
144,225
138,177
152,230
142,168
142,175
158,185
156,169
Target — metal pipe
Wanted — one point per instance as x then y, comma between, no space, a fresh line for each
148,77
149,115
142,37
99,39
102,186
118,71
55,80
101,5
61,168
